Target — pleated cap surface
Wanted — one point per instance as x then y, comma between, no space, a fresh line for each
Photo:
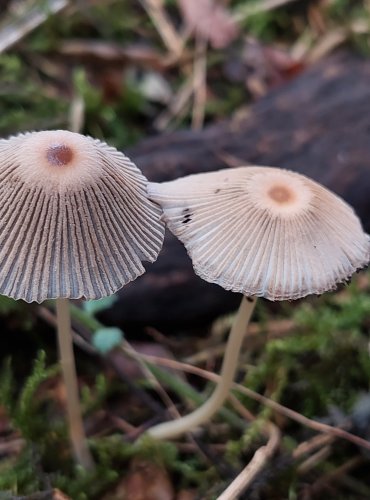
75,218
264,231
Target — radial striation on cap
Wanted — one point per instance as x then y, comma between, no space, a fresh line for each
264,231
75,218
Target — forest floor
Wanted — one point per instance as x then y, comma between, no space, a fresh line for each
299,415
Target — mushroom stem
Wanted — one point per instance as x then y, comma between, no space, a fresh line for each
202,414
76,430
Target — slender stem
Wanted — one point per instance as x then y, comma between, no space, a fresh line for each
67,361
202,414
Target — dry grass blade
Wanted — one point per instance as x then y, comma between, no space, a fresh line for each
171,408
15,30
334,38
336,475
259,7
171,39
110,52
257,337
327,43
77,114
200,83
178,103
241,409
258,462
312,461
312,444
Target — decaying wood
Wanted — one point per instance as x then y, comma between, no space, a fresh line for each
318,124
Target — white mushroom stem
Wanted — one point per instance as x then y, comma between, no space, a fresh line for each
205,412
67,361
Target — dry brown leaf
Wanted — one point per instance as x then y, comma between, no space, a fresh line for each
267,66
59,495
145,481
187,495
210,21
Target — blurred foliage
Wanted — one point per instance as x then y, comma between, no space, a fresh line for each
24,410
38,81
24,105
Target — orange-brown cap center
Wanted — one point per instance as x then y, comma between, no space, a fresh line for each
59,155
281,194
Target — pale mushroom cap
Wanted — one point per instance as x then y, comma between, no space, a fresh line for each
264,231
75,218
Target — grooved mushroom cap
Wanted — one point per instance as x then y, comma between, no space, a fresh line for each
264,231
75,219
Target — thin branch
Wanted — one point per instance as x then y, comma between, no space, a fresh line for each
258,462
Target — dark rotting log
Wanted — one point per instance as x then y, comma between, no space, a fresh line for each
317,124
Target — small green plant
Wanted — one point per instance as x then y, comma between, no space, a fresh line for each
24,409
27,416
37,465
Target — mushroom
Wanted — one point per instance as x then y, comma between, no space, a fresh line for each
75,222
264,232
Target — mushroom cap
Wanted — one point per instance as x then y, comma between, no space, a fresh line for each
75,218
264,231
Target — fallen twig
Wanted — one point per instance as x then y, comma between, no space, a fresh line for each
258,462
